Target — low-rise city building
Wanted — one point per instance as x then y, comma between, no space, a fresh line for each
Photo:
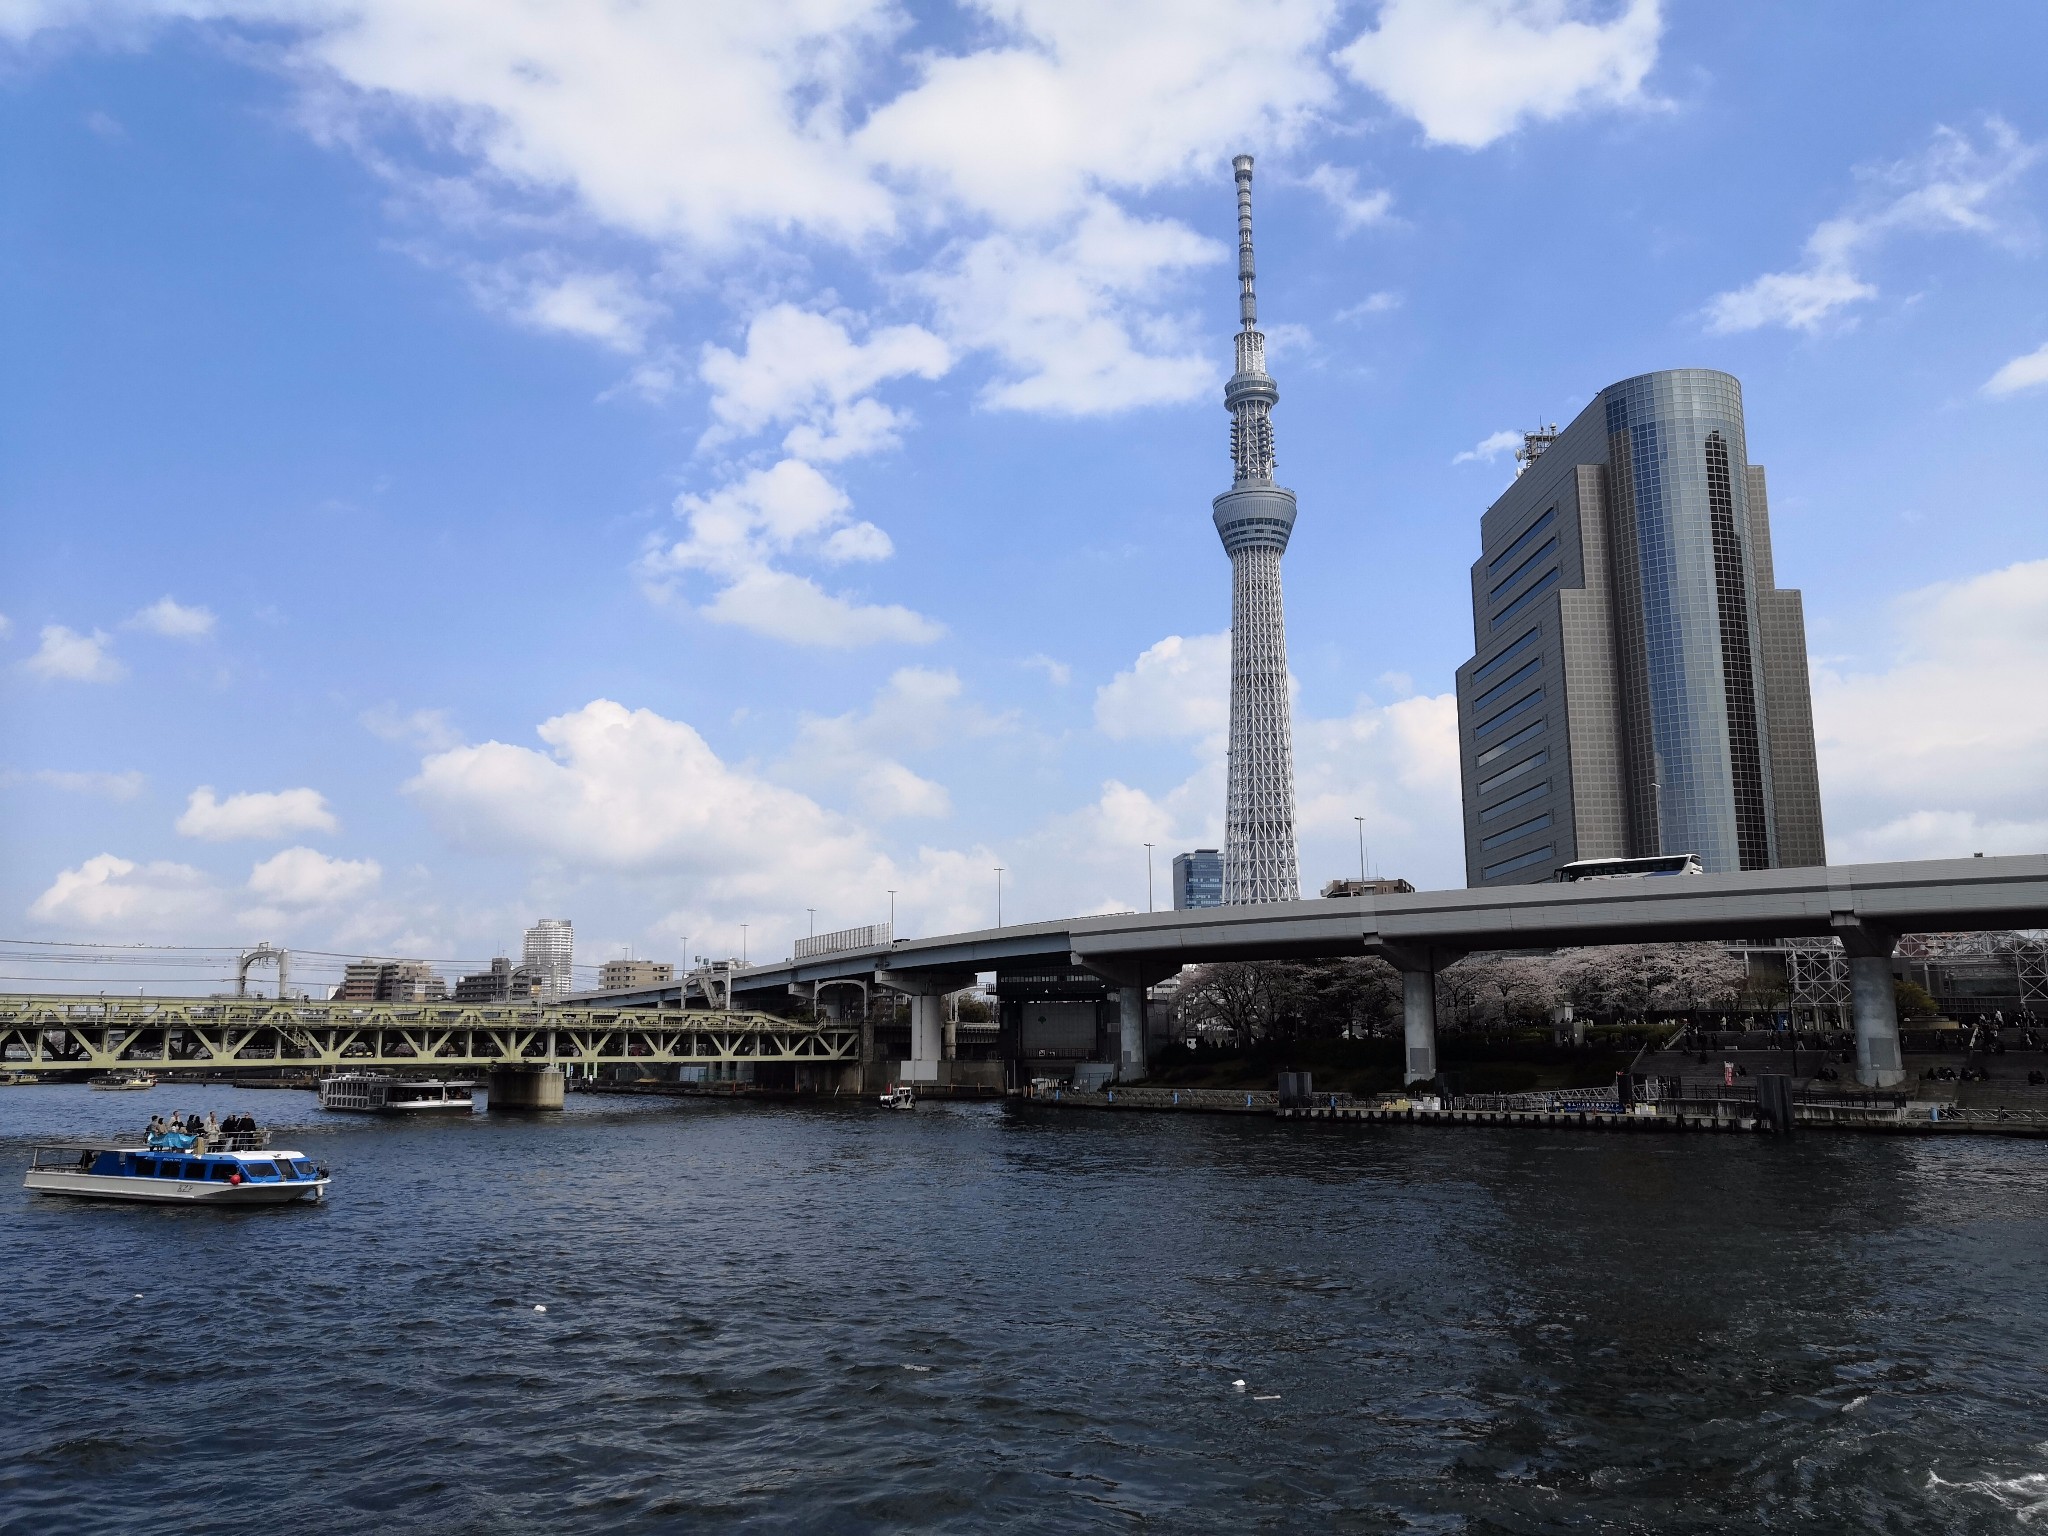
620,975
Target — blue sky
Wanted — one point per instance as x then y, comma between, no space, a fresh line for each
675,467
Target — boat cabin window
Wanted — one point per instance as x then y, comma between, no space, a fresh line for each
169,1168
220,1173
146,1166
260,1170
195,1170
107,1163
306,1169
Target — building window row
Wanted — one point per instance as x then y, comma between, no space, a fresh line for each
1522,540
1500,749
1493,666
1548,547
1520,676
1542,586
1516,833
1533,793
1519,861
1526,765
1527,701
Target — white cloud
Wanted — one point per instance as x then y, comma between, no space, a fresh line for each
255,814
631,795
1177,688
736,534
603,307
1490,447
1355,209
1380,303
1056,312
1058,673
303,877
431,730
107,892
2028,371
67,656
168,617
1059,101
1472,71
806,368
916,710
110,786
1954,187
1941,749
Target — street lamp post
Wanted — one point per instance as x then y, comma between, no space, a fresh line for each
743,943
1148,877
999,895
1361,848
814,920
892,915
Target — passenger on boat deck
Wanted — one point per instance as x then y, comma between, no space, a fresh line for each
156,1125
212,1126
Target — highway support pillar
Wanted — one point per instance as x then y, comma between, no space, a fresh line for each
1872,1002
1418,965
927,993
1132,977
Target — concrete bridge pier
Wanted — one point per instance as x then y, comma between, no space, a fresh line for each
928,1034
1418,965
1873,1003
525,1088
1132,980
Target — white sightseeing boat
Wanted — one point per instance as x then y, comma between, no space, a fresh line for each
902,1096
378,1093
98,1170
120,1082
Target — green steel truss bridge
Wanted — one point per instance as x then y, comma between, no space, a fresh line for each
191,1034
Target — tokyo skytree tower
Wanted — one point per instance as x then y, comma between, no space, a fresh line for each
1255,517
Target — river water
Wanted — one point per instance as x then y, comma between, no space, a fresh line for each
813,1318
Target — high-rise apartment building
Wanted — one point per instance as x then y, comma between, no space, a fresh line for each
1197,879
550,949
1255,519
1638,684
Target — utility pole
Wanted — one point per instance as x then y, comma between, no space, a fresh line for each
814,920
743,943
1148,877
1361,848
999,895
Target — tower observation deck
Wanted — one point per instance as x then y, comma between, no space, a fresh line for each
1255,518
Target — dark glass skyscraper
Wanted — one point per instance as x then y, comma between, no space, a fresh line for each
1638,683
1197,879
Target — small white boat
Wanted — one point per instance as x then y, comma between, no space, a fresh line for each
378,1093
120,1082
901,1097
168,1176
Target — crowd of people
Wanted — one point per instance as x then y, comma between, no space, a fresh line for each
190,1133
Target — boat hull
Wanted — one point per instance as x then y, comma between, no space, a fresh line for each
146,1191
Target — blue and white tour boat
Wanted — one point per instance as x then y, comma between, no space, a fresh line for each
99,1170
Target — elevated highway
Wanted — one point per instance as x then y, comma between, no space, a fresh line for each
1866,906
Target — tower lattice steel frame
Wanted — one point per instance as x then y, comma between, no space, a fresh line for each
1255,517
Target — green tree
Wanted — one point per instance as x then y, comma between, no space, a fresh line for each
1914,1001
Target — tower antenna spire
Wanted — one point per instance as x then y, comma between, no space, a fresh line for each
1255,518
